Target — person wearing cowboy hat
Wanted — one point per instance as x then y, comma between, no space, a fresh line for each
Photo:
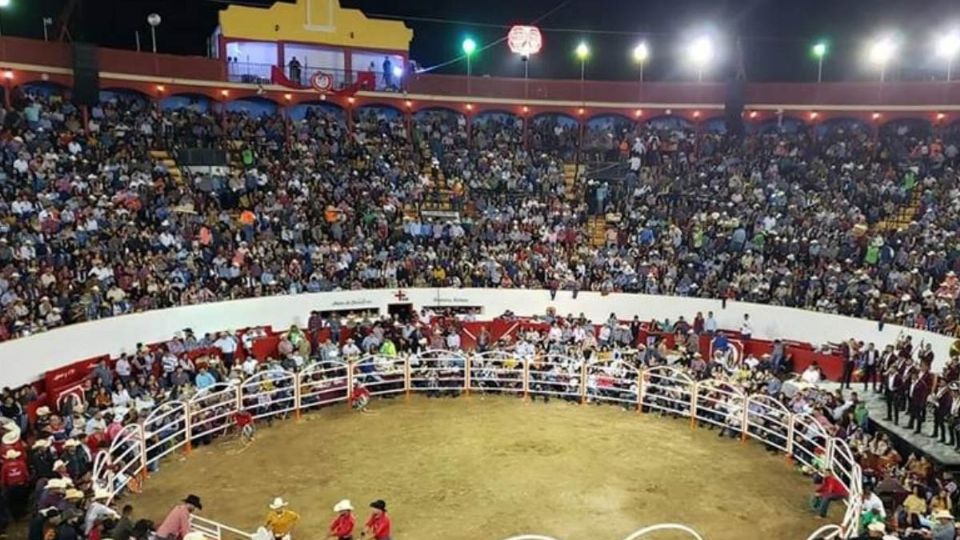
281,521
41,459
875,531
176,526
342,526
378,525
15,482
98,511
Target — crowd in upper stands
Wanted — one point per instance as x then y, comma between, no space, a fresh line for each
93,225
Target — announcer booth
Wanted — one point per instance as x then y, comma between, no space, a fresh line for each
324,45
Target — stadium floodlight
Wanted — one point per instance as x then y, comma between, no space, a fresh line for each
4,3
640,54
468,46
881,53
948,46
700,51
583,52
819,50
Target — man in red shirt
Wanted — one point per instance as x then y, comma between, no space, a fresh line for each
830,490
378,526
342,526
15,482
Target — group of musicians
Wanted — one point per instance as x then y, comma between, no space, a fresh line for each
908,385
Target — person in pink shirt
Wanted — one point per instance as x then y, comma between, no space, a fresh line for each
176,525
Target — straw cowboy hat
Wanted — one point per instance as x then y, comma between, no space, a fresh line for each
12,436
41,443
43,411
942,514
877,526
73,494
343,506
71,443
278,503
11,454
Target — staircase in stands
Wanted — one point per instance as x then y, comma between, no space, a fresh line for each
905,215
164,157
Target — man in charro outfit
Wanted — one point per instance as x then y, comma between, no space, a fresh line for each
893,392
943,402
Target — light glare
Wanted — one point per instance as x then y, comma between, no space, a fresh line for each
881,51
701,51
641,52
583,51
949,45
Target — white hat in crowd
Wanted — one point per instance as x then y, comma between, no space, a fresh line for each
195,536
343,506
11,454
43,411
11,437
278,503
877,526
71,443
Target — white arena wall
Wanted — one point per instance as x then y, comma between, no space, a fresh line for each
25,360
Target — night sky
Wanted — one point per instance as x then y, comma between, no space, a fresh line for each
776,35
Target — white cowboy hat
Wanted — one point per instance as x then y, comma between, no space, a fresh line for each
43,411
278,503
73,494
71,443
343,506
100,493
877,526
12,436
56,483
41,443
59,463
11,454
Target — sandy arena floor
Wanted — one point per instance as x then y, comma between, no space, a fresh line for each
486,469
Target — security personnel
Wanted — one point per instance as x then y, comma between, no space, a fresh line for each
943,404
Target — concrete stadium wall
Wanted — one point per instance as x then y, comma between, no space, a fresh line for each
25,360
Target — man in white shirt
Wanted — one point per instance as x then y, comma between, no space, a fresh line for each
872,502
227,344
249,365
710,325
123,368
745,329
453,341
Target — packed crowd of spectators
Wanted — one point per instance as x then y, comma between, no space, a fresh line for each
93,226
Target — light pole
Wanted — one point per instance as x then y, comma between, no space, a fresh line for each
583,52
468,46
701,52
947,48
880,53
4,4
640,54
820,50
154,21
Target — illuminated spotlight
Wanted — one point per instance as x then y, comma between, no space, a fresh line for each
526,109
948,45
813,116
941,116
696,114
880,53
580,111
820,49
469,106
409,104
582,51
224,93
876,116
700,52
8,74
323,97
161,88
669,111
288,97
468,46
641,52
638,113
753,114
397,71
351,100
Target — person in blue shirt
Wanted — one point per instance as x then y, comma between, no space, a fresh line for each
204,379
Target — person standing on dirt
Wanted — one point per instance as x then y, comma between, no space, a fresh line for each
342,526
281,521
378,526
176,526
